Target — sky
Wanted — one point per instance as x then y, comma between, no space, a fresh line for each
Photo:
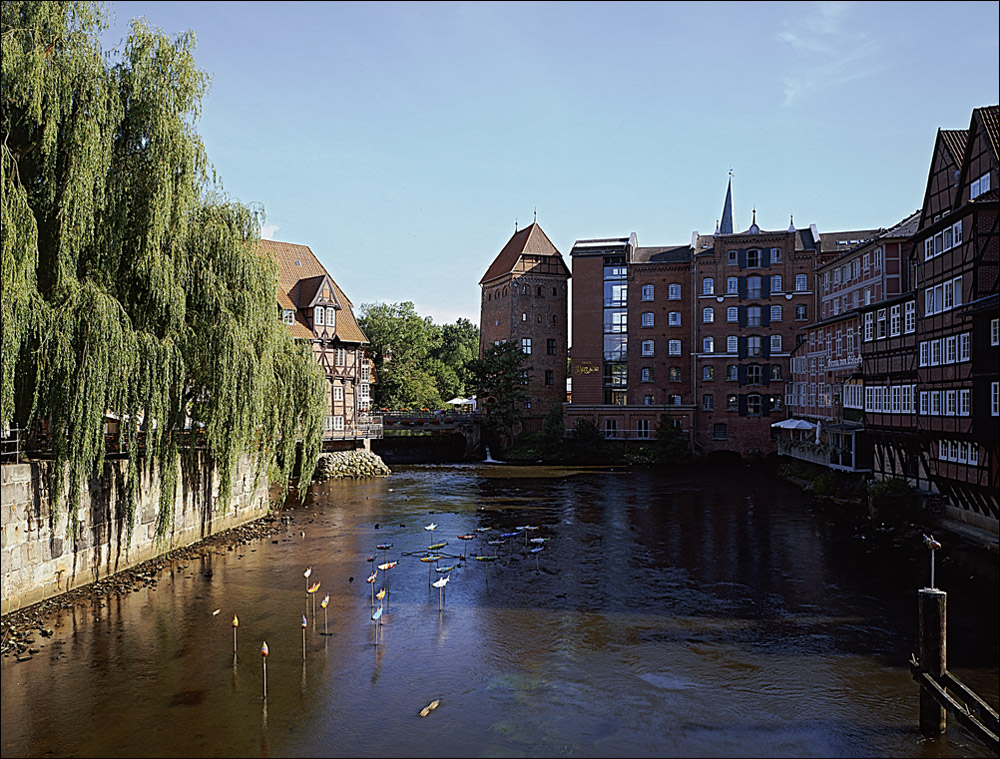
405,142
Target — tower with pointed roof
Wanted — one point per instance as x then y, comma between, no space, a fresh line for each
524,301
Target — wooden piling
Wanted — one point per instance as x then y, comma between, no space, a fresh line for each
933,610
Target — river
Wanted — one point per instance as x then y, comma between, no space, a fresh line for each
702,613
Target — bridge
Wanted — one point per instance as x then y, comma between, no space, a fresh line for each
419,436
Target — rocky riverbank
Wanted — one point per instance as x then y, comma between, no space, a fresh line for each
355,464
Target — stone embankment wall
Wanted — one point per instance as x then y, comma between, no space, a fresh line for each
357,463
39,559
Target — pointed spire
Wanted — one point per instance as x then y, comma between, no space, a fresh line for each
791,223
754,229
515,225
726,227
536,215
716,228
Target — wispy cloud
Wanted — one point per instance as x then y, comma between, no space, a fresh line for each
267,231
830,53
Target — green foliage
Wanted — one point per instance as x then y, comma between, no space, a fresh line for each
501,376
671,447
131,284
418,364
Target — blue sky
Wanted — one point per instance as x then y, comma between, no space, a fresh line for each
401,141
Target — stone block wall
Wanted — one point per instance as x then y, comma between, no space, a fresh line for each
38,559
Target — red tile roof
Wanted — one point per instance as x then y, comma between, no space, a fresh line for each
531,240
297,263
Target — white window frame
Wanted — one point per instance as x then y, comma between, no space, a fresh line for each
647,347
673,347
647,318
732,314
910,317
707,315
673,291
647,292
708,286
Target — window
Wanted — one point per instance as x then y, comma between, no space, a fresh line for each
753,316
935,352
951,349
674,347
610,428
642,429
732,344
647,292
732,257
754,374
647,319
708,315
674,374
550,346
647,374
994,331
775,283
732,372
338,393
776,313
801,283
753,259
732,314
754,346
524,317
675,400
708,344
869,326
732,285
527,401
910,317
341,357
674,292
538,291
950,402
526,345
647,347
647,400
732,402
708,402
550,378
754,287
775,372
674,319
720,432
775,344
288,316
894,323
753,405
775,255
708,286
338,424
318,313
801,313
880,324
964,402
707,373
995,399
979,186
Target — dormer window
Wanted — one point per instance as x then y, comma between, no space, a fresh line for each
318,316
288,316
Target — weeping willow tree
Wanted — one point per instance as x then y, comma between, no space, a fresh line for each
132,285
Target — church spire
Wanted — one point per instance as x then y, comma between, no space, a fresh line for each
726,227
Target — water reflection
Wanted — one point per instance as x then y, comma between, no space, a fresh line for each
693,615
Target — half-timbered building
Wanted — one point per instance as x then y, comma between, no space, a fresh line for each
314,308
956,255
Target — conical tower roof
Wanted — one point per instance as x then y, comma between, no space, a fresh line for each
726,226
532,241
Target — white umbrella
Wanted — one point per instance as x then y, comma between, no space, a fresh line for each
794,424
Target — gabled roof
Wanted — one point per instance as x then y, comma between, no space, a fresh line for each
531,241
954,140
990,119
300,271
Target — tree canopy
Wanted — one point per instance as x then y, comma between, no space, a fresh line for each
418,364
132,284
502,376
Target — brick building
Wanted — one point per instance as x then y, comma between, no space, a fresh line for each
524,300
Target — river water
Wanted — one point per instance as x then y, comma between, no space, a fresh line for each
708,613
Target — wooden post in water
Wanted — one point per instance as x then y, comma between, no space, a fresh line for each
933,609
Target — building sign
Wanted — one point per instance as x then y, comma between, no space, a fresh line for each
851,362
585,367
